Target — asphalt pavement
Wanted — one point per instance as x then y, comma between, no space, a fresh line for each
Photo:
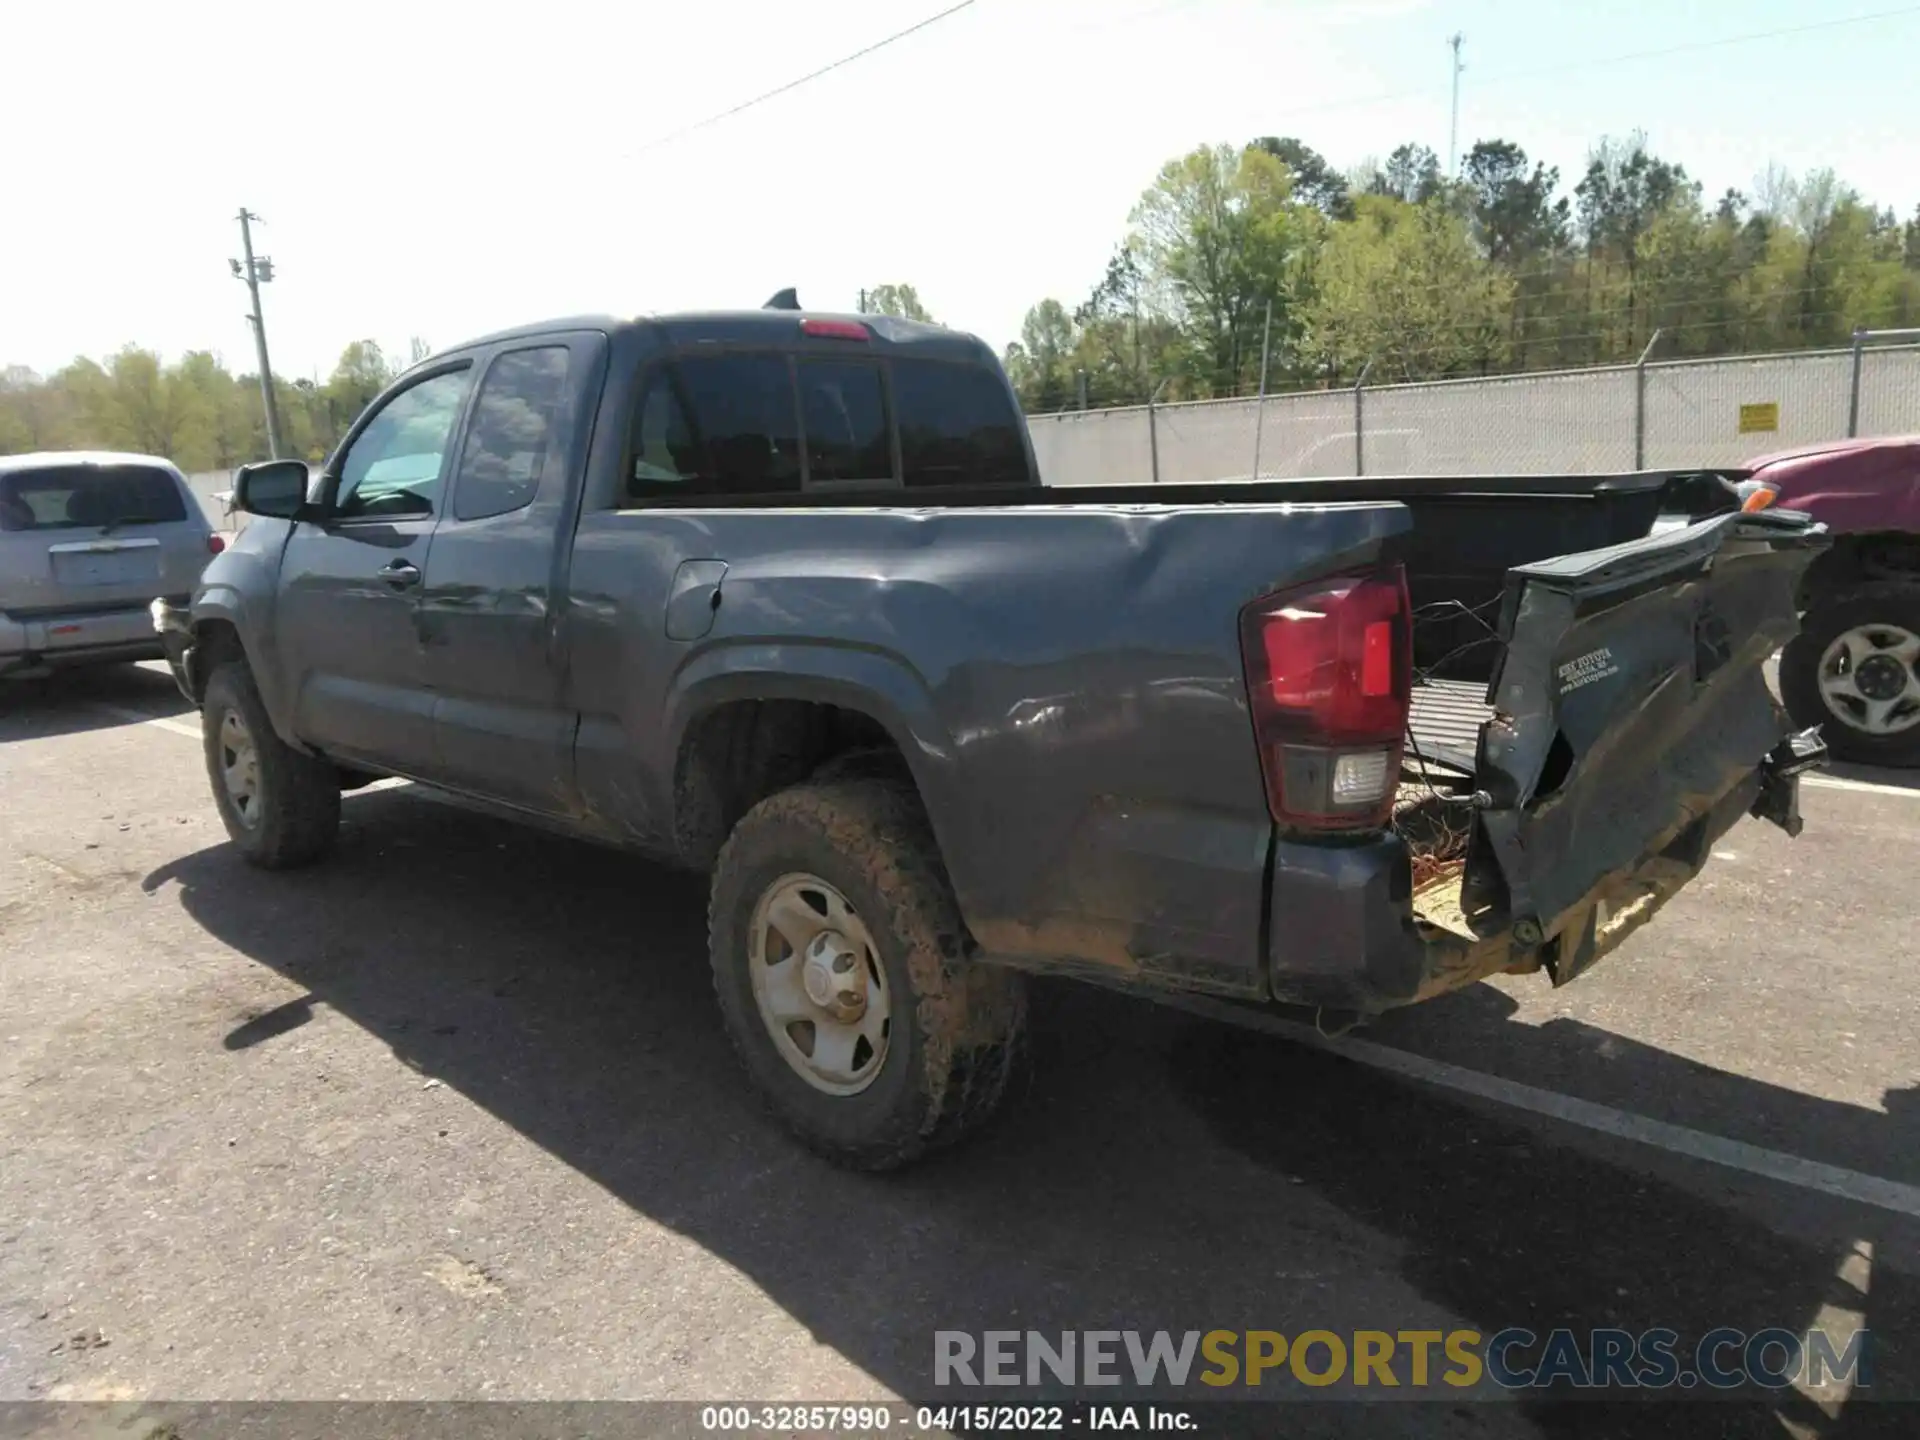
452,1116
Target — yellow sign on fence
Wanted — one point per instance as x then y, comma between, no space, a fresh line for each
1755,419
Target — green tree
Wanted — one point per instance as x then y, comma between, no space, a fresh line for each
361,373
1040,364
1214,238
1517,213
221,435
1621,195
1406,287
1315,182
34,414
902,302
1412,173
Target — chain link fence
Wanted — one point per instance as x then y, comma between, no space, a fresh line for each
1663,415
1660,415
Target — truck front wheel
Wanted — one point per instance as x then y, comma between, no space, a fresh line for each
839,962
281,808
1854,670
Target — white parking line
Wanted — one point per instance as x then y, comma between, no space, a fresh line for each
164,722
1865,787
1699,1145
1777,1165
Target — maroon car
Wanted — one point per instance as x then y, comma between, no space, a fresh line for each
1855,667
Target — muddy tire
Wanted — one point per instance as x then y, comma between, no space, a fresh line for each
281,808
1854,670
838,884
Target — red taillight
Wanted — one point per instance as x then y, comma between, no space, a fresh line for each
835,330
1376,659
1330,678
215,544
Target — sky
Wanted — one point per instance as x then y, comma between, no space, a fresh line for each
439,170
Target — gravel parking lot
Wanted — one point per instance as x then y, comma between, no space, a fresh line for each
452,1116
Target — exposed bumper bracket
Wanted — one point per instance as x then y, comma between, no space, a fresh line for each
1780,772
174,623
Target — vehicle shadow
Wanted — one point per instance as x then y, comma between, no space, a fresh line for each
1161,1172
69,702
1476,1028
1524,1224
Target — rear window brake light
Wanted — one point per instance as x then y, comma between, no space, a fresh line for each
835,330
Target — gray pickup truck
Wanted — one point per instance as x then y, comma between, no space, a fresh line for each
780,596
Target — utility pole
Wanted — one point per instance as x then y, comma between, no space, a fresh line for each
1453,130
257,271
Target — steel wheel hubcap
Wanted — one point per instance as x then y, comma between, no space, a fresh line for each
1868,679
819,985
240,768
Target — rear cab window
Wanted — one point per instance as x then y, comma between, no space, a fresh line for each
844,405
751,424
87,497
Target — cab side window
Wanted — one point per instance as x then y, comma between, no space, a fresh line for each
519,423
714,425
395,467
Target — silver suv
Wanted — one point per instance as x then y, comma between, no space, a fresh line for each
87,540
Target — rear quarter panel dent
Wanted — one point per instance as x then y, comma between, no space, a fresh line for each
1066,684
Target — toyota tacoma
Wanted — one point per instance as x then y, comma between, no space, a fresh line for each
780,596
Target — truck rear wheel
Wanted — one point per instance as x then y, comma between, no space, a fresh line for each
281,808
1854,670
838,959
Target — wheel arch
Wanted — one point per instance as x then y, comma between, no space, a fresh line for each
1867,557
748,723
1868,606
224,627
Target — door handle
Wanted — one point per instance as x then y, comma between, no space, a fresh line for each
401,574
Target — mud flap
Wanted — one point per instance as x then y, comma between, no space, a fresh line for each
1632,726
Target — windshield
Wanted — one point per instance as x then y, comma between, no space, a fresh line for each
80,497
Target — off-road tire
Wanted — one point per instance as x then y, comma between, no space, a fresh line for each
958,1033
299,796
1830,617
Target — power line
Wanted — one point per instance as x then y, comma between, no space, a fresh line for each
844,60
1692,45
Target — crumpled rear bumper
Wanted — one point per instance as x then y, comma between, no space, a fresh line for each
1346,933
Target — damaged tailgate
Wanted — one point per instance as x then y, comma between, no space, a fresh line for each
1631,727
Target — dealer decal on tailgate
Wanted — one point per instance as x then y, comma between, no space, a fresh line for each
1592,666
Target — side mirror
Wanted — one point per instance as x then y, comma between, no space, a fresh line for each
273,487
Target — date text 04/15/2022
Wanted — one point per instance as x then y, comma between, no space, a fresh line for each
879,1419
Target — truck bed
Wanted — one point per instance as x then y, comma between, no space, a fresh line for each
1467,533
